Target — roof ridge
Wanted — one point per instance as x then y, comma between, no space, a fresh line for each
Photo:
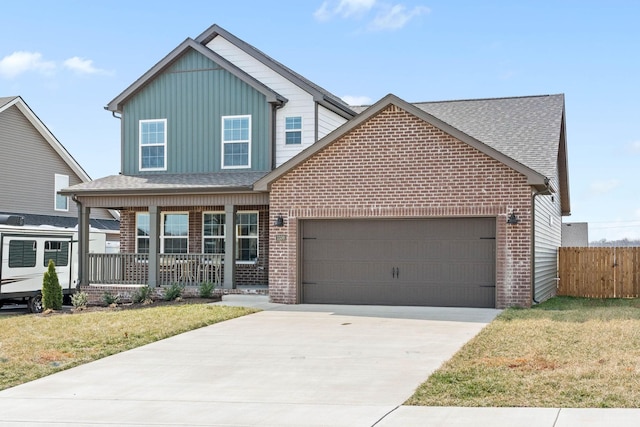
488,99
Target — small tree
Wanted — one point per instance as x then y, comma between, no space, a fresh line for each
51,289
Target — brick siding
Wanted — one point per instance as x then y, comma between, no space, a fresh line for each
396,165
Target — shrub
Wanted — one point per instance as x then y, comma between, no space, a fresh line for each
172,292
108,298
51,289
206,289
142,295
79,299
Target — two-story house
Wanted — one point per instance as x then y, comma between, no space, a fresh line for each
34,165
198,129
237,169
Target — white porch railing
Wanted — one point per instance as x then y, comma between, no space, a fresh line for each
133,269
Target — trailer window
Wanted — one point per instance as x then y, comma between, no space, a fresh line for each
56,250
22,253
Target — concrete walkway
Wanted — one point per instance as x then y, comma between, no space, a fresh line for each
302,365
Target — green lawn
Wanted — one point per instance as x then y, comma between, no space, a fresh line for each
566,352
33,346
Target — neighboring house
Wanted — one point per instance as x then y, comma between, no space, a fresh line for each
575,234
34,166
227,152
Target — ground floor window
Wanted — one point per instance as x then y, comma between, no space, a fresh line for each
214,234
174,233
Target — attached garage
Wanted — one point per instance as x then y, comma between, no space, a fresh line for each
434,262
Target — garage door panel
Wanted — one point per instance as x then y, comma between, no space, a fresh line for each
439,262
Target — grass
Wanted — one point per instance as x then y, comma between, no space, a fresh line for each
35,346
563,353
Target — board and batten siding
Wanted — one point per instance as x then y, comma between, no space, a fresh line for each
193,94
300,103
547,240
28,165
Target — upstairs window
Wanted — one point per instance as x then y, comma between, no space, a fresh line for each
293,130
153,145
236,142
61,203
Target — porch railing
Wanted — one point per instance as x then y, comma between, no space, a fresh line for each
133,269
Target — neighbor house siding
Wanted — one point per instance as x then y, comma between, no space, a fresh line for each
29,164
395,165
193,95
300,103
548,238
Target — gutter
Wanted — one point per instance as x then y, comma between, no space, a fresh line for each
547,191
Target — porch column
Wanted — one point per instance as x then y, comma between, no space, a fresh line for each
154,246
83,244
229,279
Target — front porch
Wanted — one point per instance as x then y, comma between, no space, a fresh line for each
133,269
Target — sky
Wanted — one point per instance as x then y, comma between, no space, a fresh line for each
68,59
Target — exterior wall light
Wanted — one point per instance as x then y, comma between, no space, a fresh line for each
513,219
279,222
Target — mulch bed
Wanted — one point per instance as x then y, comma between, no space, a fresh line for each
133,306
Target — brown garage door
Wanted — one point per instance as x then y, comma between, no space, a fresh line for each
434,262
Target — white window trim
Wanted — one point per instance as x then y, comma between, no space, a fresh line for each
60,182
257,237
236,236
224,235
286,131
164,144
222,165
136,228
161,237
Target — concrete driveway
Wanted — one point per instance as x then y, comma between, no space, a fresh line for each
304,365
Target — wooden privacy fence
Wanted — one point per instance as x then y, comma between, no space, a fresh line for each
599,272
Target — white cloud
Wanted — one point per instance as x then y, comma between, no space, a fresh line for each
604,187
357,100
395,17
82,66
388,16
21,62
343,8
635,147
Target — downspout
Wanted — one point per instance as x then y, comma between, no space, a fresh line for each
80,244
276,107
546,191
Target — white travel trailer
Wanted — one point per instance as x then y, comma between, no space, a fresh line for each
25,252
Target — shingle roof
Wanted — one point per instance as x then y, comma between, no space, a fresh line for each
4,100
527,129
66,221
169,183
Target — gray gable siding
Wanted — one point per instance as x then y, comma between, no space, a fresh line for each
28,165
547,240
193,94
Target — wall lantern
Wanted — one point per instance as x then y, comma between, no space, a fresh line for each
513,219
279,222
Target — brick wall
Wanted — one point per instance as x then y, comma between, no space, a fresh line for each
395,165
